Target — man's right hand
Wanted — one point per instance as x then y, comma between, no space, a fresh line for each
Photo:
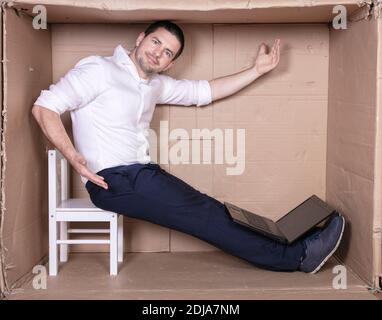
79,164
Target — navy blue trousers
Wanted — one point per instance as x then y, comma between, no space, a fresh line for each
148,192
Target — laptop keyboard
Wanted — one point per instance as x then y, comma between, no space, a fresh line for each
256,221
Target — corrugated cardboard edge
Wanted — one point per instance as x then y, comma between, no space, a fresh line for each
199,11
368,9
377,9
377,221
199,5
3,283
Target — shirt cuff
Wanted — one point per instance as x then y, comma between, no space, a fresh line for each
205,95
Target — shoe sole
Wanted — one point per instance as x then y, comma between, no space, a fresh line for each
334,249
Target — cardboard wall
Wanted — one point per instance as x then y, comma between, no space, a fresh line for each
351,138
284,115
28,69
290,154
71,42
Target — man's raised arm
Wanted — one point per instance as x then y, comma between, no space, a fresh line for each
265,62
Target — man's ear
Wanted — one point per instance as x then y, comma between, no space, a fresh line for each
169,66
139,39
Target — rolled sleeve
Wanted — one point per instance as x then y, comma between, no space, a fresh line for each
184,92
77,88
204,95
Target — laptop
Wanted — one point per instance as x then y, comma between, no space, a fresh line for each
291,226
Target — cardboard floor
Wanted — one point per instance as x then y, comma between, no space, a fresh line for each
187,275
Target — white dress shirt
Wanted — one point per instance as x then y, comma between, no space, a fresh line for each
111,107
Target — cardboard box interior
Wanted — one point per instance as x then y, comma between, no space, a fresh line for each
311,124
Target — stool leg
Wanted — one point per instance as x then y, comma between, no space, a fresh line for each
63,236
52,245
120,238
113,245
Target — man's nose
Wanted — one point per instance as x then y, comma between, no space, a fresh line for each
157,52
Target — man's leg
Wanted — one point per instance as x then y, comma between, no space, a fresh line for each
146,191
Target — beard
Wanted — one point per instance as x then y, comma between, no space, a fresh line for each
145,67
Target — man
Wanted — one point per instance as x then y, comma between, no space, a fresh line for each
112,99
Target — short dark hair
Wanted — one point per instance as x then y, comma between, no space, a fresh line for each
170,27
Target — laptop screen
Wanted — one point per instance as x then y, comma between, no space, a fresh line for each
305,216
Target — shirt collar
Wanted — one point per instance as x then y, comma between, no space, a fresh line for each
121,57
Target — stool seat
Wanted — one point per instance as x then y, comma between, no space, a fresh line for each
77,204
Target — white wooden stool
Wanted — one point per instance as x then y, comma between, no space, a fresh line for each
63,209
